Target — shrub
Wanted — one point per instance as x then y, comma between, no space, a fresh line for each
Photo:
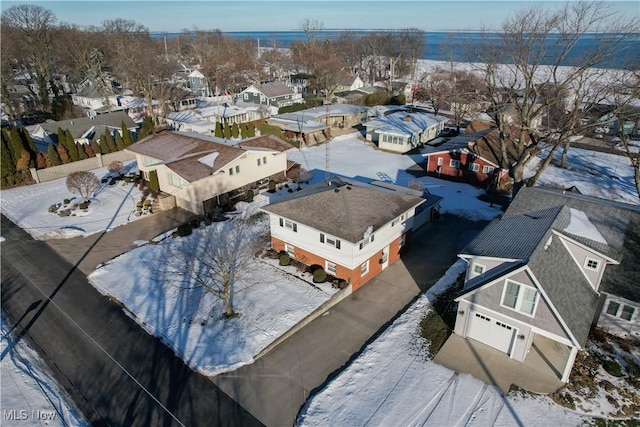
66,201
272,186
146,203
319,275
83,205
83,183
53,208
139,204
612,367
249,195
434,330
112,181
65,212
195,223
184,230
116,167
285,259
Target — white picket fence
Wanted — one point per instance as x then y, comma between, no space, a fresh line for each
100,160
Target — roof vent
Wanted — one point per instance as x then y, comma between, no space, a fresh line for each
348,187
337,190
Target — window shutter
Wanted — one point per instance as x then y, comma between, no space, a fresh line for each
281,222
321,238
361,245
337,244
372,237
295,227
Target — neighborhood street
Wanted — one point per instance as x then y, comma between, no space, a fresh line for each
116,373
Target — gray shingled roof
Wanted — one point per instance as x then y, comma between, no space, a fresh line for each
274,89
181,152
80,126
344,212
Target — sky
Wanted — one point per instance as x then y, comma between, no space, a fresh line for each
268,15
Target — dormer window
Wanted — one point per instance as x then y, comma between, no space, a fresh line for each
478,269
592,264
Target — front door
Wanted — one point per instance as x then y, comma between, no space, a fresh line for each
385,257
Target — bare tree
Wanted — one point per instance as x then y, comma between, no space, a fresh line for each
535,46
35,27
312,29
83,183
215,260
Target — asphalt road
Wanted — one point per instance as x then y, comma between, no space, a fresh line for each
117,374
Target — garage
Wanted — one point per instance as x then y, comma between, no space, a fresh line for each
491,332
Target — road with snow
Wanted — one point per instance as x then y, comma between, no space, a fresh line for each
116,373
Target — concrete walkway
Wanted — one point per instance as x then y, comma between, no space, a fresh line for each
98,248
274,388
496,368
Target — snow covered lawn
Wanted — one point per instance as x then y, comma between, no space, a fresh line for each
30,395
350,157
270,300
112,205
393,383
603,175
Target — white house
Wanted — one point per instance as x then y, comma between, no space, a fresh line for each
200,173
359,231
403,131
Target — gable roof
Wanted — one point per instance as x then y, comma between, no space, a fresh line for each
80,126
274,89
404,123
181,153
618,223
270,142
344,211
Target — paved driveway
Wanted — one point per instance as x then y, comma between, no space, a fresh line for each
274,388
98,248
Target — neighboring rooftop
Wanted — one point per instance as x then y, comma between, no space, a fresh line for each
343,210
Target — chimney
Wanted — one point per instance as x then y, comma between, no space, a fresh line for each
407,118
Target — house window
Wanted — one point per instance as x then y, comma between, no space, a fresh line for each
591,264
364,268
289,224
246,96
613,308
147,161
454,163
264,160
329,240
174,179
290,250
365,242
440,160
330,268
258,162
230,171
520,297
237,169
403,240
624,312
478,269
487,169
474,167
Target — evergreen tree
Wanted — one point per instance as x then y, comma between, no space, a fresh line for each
25,160
7,166
54,157
119,141
219,133
42,161
252,130
64,154
71,146
89,150
243,131
81,153
15,145
95,146
234,130
104,147
27,142
110,142
227,131
147,128
126,135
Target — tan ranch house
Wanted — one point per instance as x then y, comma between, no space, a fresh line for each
199,174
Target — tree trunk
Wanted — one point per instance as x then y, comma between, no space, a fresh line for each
565,151
532,181
517,173
228,306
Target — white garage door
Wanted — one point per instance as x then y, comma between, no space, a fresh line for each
491,332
